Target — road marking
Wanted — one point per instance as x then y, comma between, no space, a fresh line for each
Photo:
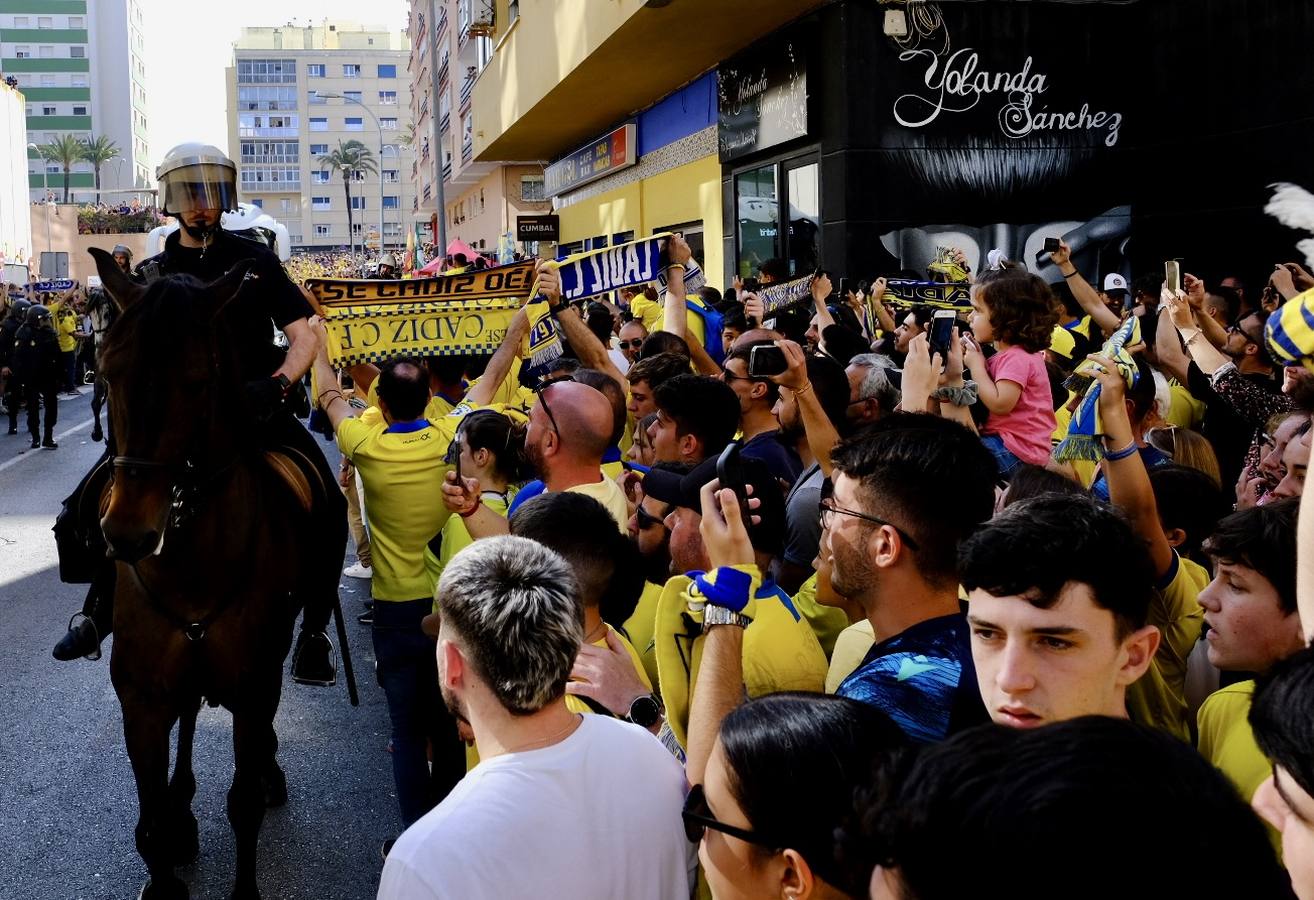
32,455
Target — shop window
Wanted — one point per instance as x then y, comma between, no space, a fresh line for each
804,205
758,219
595,243
569,249
623,238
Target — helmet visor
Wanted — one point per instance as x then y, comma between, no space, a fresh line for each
197,187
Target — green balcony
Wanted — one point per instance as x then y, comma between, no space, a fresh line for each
56,182
52,7
37,94
43,35
10,66
58,123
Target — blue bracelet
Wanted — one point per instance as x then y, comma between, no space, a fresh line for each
1121,454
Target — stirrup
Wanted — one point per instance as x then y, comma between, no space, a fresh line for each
94,630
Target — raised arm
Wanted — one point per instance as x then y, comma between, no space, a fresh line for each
1195,295
499,367
1086,295
586,345
821,434
883,317
330,398
1205,354
821,289
719,686
1168,344
998,396
674,312
1129,483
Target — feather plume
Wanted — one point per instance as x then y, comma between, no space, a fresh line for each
1293,206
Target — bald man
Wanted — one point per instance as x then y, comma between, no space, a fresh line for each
570,428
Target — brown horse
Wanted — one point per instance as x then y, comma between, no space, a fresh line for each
206,542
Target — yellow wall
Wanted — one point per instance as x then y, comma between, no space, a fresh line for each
684,194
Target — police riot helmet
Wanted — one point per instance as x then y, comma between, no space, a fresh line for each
387,259
38,315
19,307
196,176
122,248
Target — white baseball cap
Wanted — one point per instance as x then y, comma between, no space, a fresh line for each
1114,282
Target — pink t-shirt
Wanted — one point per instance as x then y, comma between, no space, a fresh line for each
1027,429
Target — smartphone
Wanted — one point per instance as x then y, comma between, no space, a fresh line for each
1172,275
765,361
1051,245
844,289
455,455
942,332
730,472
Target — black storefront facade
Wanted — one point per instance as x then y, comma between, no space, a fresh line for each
1139,130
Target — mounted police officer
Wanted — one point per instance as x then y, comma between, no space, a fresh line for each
388,267
123,257
8,335
198,183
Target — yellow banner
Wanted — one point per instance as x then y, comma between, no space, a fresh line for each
375,320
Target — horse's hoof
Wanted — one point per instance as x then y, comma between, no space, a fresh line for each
97,435
174,891
275,787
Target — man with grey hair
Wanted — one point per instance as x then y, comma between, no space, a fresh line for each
873,393
539,814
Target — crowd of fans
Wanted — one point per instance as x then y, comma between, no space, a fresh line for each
842,600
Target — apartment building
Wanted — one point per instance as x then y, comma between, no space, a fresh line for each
79,66
481,200
295,92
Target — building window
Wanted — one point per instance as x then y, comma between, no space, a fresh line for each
46,52
357,202
388,150
356,228
353,124
531,187
319,149
387,71
390,176
787,192
318,124
351,70
77,52
321,204
388,124
45,22
49,111
258,202
22,22
320,176
79,81
352,96
388,98
22,51
315,70
79,110
392,202
76,22
266,71
323,231
269,152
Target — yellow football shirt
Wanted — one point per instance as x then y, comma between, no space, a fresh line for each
402,469
1158,697
850,650
641,624
610,495
650,313
575,704
1227,741
827,622
456,537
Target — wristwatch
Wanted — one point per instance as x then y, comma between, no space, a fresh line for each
645,711
284,383
719,615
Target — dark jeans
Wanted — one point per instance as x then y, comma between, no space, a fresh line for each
408,673
36,396
69,360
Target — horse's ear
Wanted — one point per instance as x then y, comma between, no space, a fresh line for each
122,289
225,287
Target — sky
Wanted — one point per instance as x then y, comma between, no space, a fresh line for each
190,44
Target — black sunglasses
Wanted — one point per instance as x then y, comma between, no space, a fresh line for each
630,345
827,511
645,519
698,818
541,391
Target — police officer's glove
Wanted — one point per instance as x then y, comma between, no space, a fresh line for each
264,398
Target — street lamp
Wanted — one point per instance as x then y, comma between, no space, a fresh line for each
45,198
332,95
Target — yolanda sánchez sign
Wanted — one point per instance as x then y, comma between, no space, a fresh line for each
958,84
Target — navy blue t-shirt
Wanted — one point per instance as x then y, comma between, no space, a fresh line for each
781,460
923,679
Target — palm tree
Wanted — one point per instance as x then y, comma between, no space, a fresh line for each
65,150
408,135
99,151
351,158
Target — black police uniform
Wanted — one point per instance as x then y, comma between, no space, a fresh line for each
13,384
270,299
37,362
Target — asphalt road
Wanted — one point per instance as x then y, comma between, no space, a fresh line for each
68,803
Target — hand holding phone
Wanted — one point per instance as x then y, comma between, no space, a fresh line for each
730,473
942,331
1172,276
1051,245
766,361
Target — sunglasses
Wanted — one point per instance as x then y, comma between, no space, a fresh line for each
541,391
630,345
828,513
646,520
698,818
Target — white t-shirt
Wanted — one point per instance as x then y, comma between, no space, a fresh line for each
618,360
594,816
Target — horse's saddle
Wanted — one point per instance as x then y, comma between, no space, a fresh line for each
300,475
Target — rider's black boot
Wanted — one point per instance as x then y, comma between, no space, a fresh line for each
88,628
312,659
